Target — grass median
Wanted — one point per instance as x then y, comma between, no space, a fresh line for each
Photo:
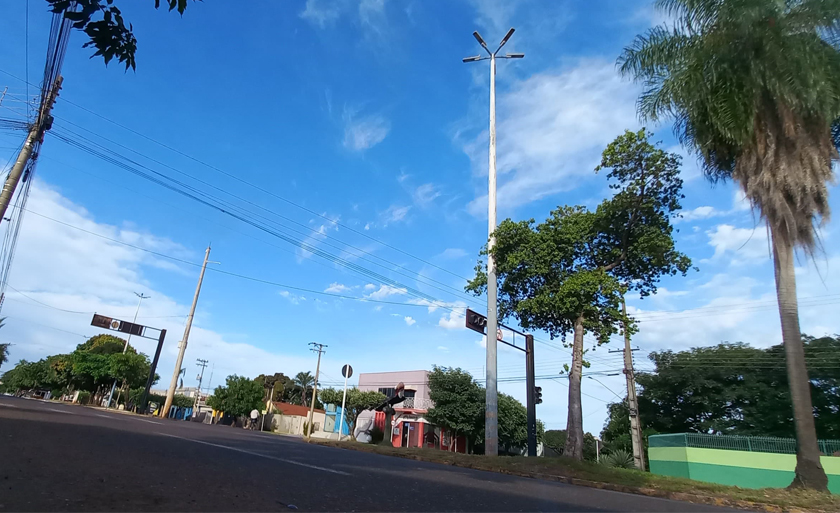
600,476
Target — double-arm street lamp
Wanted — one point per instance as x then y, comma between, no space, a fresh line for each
491,435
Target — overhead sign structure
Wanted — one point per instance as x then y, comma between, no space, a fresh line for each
477,322
138,330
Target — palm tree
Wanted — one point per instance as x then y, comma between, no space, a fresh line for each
754,86
4,354
304,381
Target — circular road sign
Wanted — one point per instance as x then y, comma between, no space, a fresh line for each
347,371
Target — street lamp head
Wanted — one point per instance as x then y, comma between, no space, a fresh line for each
515,55
507,36
472,59
477,37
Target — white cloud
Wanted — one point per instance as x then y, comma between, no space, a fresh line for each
443,349
337,288
745,244
293,298
410,321
386,291
370,286
552,128
322,13
426,194
367,226
452,253
394,214
365,132
454,320
740,202
316,236
73,270
695,214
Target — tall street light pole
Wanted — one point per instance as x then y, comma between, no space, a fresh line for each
491,432
170,394
125,347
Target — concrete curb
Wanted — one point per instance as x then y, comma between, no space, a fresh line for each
650,492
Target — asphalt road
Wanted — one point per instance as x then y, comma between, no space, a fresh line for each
56,457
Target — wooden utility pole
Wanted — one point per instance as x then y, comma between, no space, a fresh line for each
632,403
318,348
36,135
170,394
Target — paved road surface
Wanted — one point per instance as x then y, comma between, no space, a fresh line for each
56,457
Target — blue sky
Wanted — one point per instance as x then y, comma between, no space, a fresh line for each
360,112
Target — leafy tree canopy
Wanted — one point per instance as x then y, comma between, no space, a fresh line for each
105,27
238,396
731,389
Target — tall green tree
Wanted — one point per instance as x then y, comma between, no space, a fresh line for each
238,396
304,382
458,402
754,87
283,386
569,274
105,27
4,354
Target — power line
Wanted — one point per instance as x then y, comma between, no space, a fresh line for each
324,235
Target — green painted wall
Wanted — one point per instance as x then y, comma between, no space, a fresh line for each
737,468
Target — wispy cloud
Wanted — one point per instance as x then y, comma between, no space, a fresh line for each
293,298
322,13
362,133
425,194
394,214
452,254
409,320
386,291
552,129
337,288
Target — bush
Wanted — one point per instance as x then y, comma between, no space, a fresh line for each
83,398
306,429
376,435
618,459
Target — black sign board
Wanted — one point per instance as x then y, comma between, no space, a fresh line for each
476,321
108,323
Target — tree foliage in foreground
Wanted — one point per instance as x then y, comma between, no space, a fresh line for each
105,26
754,89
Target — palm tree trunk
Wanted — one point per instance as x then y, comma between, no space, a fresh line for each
809,470
574,424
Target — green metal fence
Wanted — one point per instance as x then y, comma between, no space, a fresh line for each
738,443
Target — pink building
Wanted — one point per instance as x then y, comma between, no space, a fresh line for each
409,427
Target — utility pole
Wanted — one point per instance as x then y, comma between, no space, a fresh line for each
170,394
36,135
316,348
632,403
268,404
201,363
125,346
491,432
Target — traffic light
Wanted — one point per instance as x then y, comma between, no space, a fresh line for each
537,395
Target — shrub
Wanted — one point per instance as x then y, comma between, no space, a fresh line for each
83,397
618,459
376,435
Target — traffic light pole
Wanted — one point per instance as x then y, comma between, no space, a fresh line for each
531,399
152,370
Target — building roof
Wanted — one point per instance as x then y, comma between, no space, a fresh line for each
294,409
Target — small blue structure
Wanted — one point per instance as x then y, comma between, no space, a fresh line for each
334,412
